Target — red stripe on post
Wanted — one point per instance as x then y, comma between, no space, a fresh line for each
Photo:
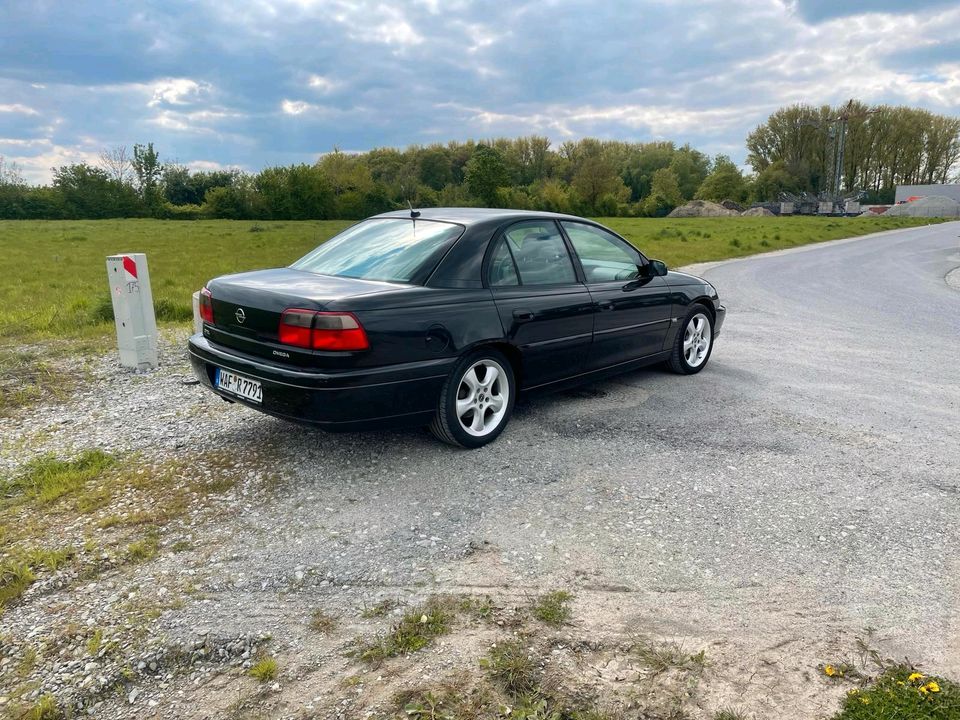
129,265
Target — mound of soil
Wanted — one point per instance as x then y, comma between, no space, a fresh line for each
757,212
702,208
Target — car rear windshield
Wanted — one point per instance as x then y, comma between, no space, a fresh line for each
390,249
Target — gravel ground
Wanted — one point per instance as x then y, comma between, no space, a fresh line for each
803,488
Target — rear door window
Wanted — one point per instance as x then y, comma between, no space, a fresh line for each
503,272
540,254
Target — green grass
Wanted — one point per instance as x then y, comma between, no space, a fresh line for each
46,708
902,692
264,670
553,608
682,241
55,274
55,271
144,549
15,577
513,667
48,479
414,631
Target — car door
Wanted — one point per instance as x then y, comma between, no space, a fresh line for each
632,309
547,313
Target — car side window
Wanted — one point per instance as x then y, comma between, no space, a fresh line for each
502,270
604,256
540,253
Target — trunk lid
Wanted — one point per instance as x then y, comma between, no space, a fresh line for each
247,308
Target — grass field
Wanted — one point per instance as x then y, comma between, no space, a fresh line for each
53,274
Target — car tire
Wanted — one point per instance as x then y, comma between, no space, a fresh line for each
474,407
694,342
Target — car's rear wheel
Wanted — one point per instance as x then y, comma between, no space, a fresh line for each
476,401
694,342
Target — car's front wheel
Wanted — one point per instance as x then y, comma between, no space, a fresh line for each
476,401
694,342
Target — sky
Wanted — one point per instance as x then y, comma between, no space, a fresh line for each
254,83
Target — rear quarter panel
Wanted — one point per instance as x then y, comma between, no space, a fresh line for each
423,323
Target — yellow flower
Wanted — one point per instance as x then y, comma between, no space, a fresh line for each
915,676
852,691
922,689
933,686
830,670
865,700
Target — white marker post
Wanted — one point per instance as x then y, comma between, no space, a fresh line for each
133,310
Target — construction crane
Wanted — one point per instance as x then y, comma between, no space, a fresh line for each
839,128
830,201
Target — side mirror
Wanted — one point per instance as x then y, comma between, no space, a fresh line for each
656,268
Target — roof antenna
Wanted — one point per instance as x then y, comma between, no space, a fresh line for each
414,214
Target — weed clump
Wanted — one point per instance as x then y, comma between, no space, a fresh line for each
264,670
414,631
901,692
513,667
553,608
321,622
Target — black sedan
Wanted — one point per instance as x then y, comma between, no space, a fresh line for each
441,317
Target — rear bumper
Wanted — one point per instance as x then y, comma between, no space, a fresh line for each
393,395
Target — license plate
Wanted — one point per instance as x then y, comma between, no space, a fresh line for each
238,385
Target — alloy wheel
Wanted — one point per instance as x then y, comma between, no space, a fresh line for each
482,398
696,340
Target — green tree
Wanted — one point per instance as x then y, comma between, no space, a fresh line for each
148,172
298,192
725,182
89,192
597,178
773,180
641,164
664,193
435,169
485,173
691,167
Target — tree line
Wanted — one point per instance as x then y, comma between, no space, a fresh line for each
884,146
792,152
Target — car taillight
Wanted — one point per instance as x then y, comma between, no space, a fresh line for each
322,330
206,306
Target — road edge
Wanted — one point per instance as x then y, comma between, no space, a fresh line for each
703,267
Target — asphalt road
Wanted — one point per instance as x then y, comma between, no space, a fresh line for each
803,487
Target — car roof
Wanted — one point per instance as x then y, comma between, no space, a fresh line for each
470,216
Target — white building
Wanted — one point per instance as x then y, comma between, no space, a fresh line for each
905,193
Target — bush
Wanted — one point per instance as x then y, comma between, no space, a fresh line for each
169,211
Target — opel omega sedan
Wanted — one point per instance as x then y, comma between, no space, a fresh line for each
441,317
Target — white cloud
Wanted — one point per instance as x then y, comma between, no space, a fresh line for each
177,91
396,33
209,166
322,84
35,168
297,107
18,108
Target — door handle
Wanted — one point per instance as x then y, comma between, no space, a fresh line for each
523,315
